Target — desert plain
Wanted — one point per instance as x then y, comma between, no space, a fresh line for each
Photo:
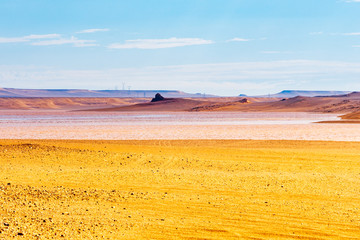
179,189
179,175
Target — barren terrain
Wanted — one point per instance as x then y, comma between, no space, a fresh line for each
171,185
331,104
69,103
179,189
342,104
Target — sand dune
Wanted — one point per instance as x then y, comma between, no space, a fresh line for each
334,104
354,115
172,104
342,104
179,189
348,103
66,103
192,104
106,103
350,118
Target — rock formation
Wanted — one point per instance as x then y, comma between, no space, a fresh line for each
157,98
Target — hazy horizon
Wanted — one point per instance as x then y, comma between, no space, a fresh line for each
226,48
151,92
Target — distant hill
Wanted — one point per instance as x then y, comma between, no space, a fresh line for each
348,103
168,104
14,92
327,104
305,93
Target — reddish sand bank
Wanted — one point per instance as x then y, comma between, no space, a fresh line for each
335,104
354,115
66,103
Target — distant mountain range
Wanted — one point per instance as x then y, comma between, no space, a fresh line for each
304,93
84,93
14,92
87,100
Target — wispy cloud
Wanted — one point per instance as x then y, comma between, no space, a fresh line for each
238,40
350,1
352,34
13,40
93,30
27,38
44,36
316,33
276,52
51,39
159,43
73,40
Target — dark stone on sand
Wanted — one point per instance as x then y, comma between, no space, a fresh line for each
244,100
157,98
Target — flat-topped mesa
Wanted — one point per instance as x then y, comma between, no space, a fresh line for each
157,98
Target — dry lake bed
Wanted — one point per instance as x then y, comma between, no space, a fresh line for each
173,125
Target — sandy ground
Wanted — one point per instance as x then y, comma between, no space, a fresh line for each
179,189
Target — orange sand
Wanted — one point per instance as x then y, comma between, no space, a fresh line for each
187,189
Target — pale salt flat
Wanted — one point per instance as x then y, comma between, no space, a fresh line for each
33,124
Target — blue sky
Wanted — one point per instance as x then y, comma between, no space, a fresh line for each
223,47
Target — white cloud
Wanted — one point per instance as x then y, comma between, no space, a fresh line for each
238,40
349,1
93,30
44,36
356,46
13,40
270,52
276,52
159,43
316,33
54,39
352,34
73,40
27,38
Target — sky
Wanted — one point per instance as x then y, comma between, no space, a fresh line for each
222,47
